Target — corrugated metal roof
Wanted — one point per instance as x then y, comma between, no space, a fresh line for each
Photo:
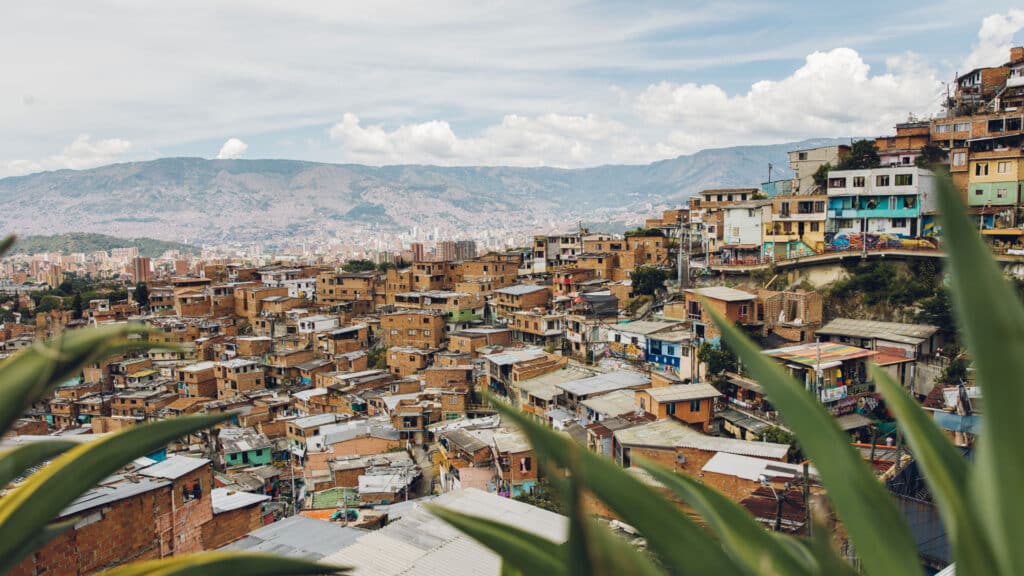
225,500
723,293
174,467
298,537
613,403
603,383
420,543
645,327
113,489
750,468
673,434
683,392
520,289
543,386
895,331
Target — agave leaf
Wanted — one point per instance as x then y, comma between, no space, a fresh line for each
44,494
741,535
520,550
683,546
37,541
945,471
614,556
6,244
216,563
508,570
581,547
16,461
828,559
31,373
992,321
860,499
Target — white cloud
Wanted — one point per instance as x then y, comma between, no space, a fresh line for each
233,148
82,153
832,94
550,139
995,38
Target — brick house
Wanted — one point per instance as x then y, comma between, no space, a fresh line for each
418,328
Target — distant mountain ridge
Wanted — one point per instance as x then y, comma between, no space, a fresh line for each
74,242
199,200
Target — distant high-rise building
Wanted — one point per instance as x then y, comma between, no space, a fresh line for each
465,250
446,250
140,269
418,253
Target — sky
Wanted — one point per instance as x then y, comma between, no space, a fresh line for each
523,83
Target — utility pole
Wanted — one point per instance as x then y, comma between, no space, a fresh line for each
683,258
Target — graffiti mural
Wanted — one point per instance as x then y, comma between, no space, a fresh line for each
624,350
845,241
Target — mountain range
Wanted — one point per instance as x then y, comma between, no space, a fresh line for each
210,201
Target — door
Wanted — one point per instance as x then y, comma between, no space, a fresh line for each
913,227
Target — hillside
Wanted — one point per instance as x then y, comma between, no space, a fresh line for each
73,242
196,200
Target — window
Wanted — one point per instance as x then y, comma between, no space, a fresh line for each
899,222
978,192
694,405
744,309
981,169
193,491
882,180
670,408
426,332
815,226
1013,124
819,206
959,158
837,182
905,160
904,179
618,337
941,128
1001,193
1002,167
394,331
962,127
858,181
802,156
412,332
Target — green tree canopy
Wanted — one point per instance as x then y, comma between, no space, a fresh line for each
359,266
863,154
142,294
648,279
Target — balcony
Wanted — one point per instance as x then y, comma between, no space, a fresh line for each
842,213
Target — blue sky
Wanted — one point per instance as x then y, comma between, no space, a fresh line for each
502,82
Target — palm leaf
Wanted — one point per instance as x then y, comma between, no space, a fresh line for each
992,322
16,461
739,532
860,499
683,546
30,374
6,244
44,494
216,563
945,471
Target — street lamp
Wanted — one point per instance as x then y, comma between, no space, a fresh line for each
779,498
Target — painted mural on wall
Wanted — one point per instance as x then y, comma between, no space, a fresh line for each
625,350
843,241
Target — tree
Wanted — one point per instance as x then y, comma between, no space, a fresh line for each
718,358
359,266
938,311
863,154
76,306
641,231
49,302
142,294
931,154
647,280
377,358
780,436
821,175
